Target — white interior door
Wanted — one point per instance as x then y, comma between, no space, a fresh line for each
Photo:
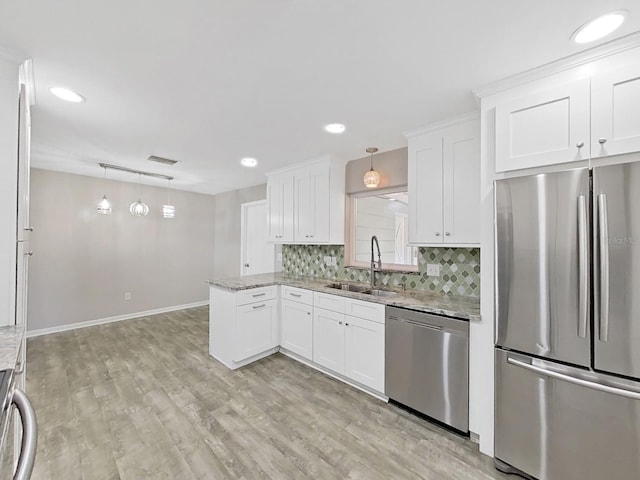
258,256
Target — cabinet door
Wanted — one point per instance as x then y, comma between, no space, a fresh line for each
256,329
280,202
461,178
425,189
364,352
297,328
328,339
302,207
544,128
319,204
615,118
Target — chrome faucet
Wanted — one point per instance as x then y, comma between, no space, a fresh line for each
375,267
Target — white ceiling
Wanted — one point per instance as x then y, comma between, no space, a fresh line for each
208,82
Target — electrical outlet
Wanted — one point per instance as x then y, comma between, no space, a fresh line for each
127,295
327,260
334,261
433,269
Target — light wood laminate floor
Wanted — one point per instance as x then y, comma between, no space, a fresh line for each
142,399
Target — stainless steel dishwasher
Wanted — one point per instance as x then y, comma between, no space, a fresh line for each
427,365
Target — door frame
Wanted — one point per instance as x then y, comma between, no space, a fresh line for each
243,218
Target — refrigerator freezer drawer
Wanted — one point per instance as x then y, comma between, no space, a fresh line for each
557,422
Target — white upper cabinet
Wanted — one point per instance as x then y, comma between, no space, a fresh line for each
280,203
563,121
615,106
444,185
317,201
543,128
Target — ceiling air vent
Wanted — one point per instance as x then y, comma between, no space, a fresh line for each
166,161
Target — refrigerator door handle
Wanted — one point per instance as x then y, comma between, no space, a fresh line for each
575,380
603,238
583,261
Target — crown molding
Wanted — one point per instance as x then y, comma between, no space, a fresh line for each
466,117
599,52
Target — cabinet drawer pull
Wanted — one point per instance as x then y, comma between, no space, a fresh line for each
298,295
580,144
437,234
255,307
447,234
602,140
339,323
258,295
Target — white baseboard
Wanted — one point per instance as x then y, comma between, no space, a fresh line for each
117,318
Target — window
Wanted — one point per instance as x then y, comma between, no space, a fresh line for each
385,215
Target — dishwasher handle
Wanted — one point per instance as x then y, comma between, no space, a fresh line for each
417,324
451,326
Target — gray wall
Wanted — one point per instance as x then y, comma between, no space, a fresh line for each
228,228
392,166
84,262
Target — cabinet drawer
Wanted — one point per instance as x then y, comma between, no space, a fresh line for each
329,302
243,297
297,295
367,310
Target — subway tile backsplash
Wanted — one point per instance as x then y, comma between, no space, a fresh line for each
459,268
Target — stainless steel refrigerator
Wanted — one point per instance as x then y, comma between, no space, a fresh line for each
568,324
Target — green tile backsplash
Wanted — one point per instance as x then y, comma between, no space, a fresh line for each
459,268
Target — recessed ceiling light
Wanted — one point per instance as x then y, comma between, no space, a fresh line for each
334,128
66,94
599,27
249,162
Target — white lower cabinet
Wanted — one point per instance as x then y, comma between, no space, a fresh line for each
255,328
328,339
243,325
349,345
364,352
296,332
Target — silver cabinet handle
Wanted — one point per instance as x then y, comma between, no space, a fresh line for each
580,144
29,253
310,236
306,236
255,307
297,295
346,324
602,140
246,265
339,323
258,295
583,261
28,229
574,380
447,234
29,435
603,238
308,313
437,234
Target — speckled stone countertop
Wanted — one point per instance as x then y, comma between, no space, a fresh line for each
467,308
10,340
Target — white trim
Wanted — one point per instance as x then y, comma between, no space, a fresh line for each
243,229
27,77
561,65
465,117
116,318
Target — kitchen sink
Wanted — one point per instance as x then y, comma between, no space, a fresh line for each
350,287
380,293
354,287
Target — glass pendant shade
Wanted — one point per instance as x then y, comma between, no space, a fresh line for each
104,207
168,211
371,179
138,209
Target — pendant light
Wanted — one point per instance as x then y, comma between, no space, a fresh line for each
371,178
104,207
137,208
168,210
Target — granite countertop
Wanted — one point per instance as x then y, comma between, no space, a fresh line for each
10,341
467,308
